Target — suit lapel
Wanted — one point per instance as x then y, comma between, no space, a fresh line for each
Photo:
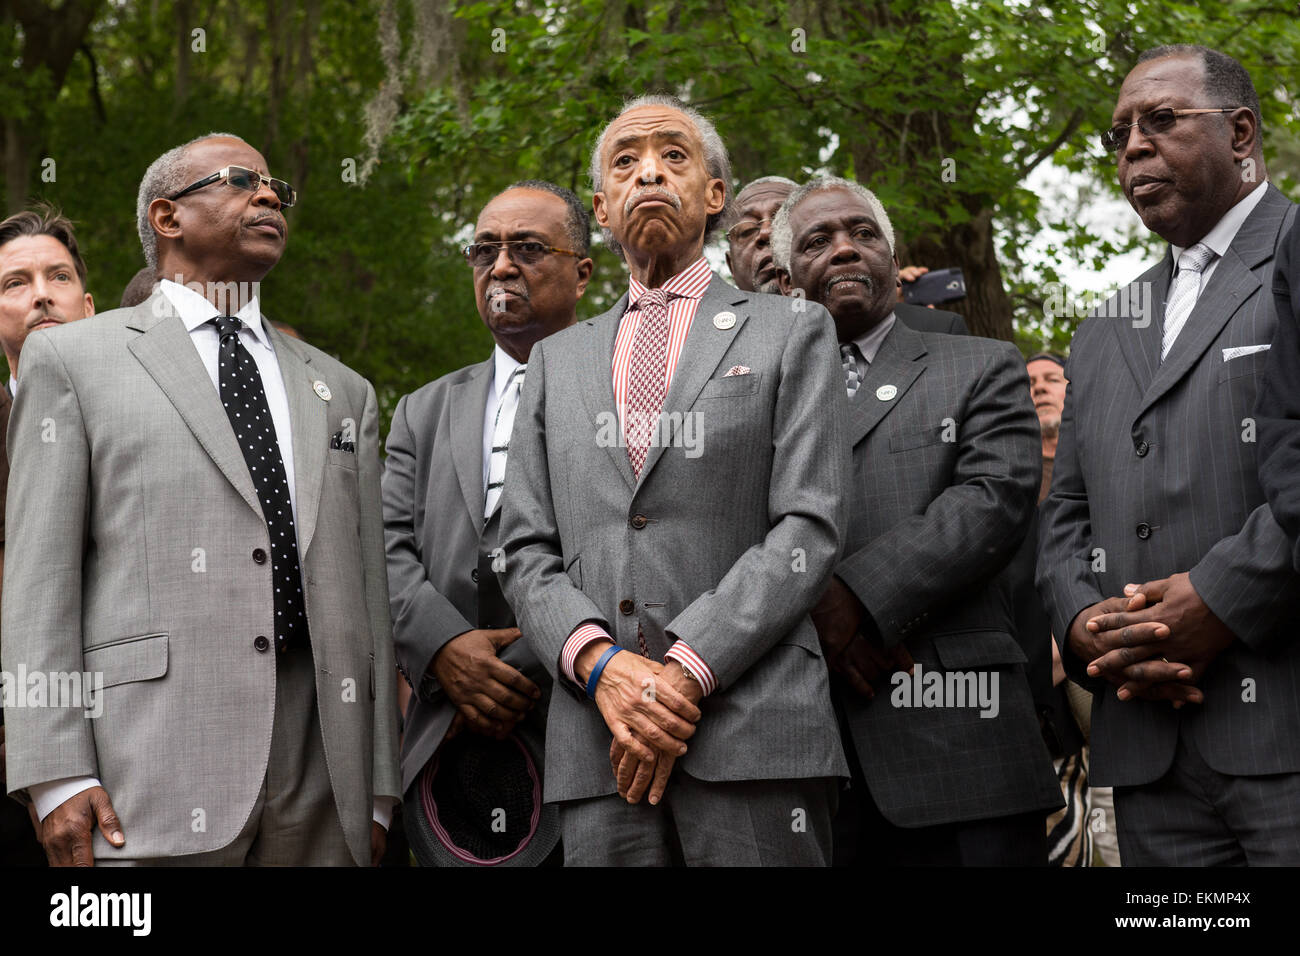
596,365
1233,282
703,350
897,363
1140,344
468,406
169,356
309,422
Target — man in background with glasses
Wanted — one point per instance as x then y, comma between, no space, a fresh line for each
456,637
1168,580
195,523
749,240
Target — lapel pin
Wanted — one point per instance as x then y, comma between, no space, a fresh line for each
724,320
886,393
322,390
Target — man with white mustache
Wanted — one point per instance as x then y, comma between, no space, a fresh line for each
945,449
455,635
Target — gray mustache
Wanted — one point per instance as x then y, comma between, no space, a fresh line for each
651,190
850,277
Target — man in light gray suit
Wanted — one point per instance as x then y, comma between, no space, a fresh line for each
194,519
950,766
455,635
672,510
1168,579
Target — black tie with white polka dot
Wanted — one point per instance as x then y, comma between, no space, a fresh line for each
250,416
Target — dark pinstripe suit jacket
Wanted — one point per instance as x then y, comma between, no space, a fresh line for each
1156,474
945,478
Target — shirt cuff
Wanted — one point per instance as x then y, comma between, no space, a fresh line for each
694,665
582,635
383,811
49,795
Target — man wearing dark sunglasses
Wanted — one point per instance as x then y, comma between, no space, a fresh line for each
457,639
1168,580
208,549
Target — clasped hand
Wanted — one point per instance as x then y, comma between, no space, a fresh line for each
650,708
1155,643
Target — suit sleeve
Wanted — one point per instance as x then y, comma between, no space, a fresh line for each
49,494
971,529
424,620
1278,405
1065,578
547,604
774,584
386,780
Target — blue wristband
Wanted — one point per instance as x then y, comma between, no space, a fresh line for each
600,666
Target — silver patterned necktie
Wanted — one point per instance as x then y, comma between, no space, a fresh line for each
852,370
1184,292
501,429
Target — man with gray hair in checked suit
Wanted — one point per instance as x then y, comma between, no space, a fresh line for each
194,522
949,765
672,509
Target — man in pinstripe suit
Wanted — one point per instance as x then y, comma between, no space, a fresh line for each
665,582
946,471
1163,567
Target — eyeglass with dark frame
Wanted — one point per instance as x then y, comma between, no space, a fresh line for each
241,177
524,252
1152,123
746,229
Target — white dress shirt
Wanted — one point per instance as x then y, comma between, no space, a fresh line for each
197,312
1225,230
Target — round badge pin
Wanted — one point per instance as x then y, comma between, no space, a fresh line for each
886,393
322,390
724,320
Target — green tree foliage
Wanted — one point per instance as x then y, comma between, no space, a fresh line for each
944,107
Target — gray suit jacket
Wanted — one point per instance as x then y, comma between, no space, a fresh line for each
738,539
439,553
1155,474
132,519
921,319
945,482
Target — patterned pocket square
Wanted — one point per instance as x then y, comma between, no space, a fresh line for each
339,444
1240,350
737,370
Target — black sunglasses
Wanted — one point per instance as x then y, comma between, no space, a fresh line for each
524,252
1157,121
243,178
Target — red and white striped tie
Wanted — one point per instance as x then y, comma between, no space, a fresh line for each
647,372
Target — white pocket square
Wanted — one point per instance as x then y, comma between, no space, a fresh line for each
737,370
1240,350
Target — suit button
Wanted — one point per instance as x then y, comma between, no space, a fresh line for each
261,644
473,575
1142,448
626,607
259,556
1144,531
638,521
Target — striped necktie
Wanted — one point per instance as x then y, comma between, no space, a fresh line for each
1184,292
501,428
